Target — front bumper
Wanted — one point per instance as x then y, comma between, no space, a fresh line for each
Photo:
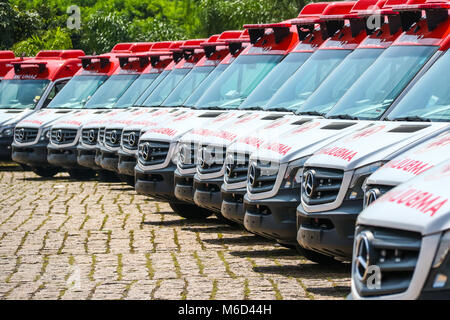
127,163
158,184
207,194
184,187
33,156
109,160
86,158
63,157
330,232
233,205
5,147
274,218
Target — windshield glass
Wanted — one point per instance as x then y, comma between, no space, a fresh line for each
135,90
21,94
108,94
306,79
201,89
77,92
187,86
380,85
238,81
339,81
166,87
429,98
152,87
274,80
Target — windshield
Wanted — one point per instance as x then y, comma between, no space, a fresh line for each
135,90
187,86
21,94
380,85
429,98
166,87
109,93
238,81
201,89
274,80
149,90
306,79
339,81
77,92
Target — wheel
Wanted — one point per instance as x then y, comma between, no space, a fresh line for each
45,172
108,176
190,211
129,180
81,174
316,256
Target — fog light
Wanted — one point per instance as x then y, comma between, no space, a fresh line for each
440,281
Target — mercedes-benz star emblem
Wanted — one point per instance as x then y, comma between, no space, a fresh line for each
363,255
113,137
132,139
21,134
59,135
230,165
202,158
371,196
146,151
253,174
92,136
309,181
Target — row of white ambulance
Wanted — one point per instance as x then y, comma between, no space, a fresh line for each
328,133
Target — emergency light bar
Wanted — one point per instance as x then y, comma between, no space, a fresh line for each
334,16
29,67
236,44
436,12
7,55
86,61
155,57
60,54
190,46
256,31
308,17
177,53
211,44
144,60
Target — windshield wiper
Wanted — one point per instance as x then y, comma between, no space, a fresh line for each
412,118
310,113
251,108
344,116
279,109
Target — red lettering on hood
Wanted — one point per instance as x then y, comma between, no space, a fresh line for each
341,153
145,123
277,147
442,173
366,133
276,124
251,141
219,134
414,167
305,127
32,121
224,117
247,119
422,201
183,117
440,143
165,131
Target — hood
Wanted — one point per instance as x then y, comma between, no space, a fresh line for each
45,117
78,119
421,204
305,139
230,130
380,141
10,117
192,119
413,162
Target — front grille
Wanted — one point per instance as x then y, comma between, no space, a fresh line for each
152,153
89,136
392,254
25,135
320,185
262,176
130,139
237,169
211,159
63,136
112,137
187,156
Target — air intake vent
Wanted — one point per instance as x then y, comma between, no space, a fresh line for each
338,126
408,128
273,117
210,115
301,122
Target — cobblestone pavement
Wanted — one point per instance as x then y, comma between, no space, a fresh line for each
63,239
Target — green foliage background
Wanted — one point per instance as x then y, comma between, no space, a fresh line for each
27,26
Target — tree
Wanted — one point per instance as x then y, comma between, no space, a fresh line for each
56,39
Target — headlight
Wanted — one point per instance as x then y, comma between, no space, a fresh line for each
7,132
360,176
442,252
294,172
438,278
46,133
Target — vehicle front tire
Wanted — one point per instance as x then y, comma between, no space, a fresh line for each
190,211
